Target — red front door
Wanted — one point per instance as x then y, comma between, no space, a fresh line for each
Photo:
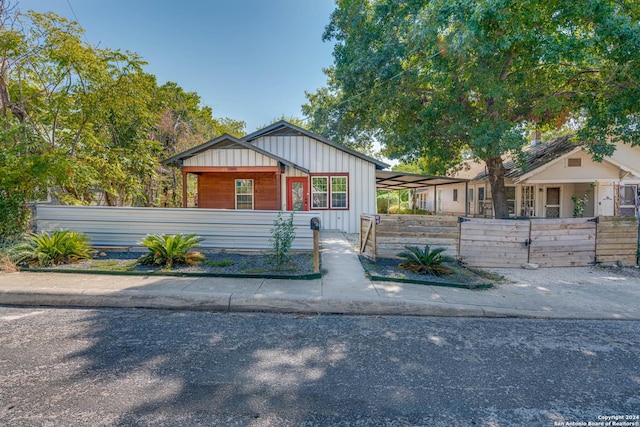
298,194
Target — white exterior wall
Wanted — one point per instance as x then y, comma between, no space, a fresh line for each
230,157
589,171
319,157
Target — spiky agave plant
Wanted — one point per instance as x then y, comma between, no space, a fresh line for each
425,261
171,249
59,247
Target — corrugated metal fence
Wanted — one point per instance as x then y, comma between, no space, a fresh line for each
223,229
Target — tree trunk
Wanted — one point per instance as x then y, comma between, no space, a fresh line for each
496,179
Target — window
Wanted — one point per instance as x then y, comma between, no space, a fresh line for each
574,163
511,199
481,204
244,194
455,194
319,192
527,204
339,192
628,200
329,192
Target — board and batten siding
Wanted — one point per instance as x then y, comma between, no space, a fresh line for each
127,226
318,158
230,157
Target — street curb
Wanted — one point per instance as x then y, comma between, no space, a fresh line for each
310,276
229,302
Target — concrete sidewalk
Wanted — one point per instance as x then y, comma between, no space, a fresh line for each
343,289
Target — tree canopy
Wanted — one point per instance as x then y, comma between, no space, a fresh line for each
434,79
84,124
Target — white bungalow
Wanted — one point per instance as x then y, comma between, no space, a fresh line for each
283,167
555,178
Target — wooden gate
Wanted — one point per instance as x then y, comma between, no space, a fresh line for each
368,242
511,243
493,242
568,242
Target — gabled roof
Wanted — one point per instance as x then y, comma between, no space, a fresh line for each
285,128
533,157
227,141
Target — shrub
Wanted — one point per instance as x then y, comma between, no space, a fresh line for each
425,261
44,249
282,235
169,250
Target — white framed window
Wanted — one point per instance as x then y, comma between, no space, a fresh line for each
330,192
320,192
628,199
244,194
339,186
510,190
528,200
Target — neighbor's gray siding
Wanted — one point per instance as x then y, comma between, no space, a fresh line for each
319,157
224,229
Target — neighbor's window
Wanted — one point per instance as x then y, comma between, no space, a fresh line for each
574,163
628,199
244,194
339,192
528,201
511,199
455,194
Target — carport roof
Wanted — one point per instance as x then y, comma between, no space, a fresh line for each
390,180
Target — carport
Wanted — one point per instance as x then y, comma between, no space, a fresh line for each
393,181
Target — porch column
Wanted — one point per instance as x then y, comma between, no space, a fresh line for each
435,200
184,188
279,189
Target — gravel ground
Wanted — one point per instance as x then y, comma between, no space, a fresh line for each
570,275
561,275
388,267
221,262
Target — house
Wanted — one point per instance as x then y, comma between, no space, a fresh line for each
283,167
553,179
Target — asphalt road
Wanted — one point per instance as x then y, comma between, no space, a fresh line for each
149,367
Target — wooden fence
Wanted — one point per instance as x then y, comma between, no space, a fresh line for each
509,243
562,242
394,232
617,240
223,229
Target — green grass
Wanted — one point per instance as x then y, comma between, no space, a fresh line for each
113,264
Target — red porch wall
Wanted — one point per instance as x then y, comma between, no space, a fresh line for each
217,190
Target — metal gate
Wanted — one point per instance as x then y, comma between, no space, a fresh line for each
510,243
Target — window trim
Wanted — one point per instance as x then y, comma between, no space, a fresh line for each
329,177
253,199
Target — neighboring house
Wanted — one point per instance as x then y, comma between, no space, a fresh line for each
283,167
543,183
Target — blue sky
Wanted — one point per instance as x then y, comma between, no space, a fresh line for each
250,60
